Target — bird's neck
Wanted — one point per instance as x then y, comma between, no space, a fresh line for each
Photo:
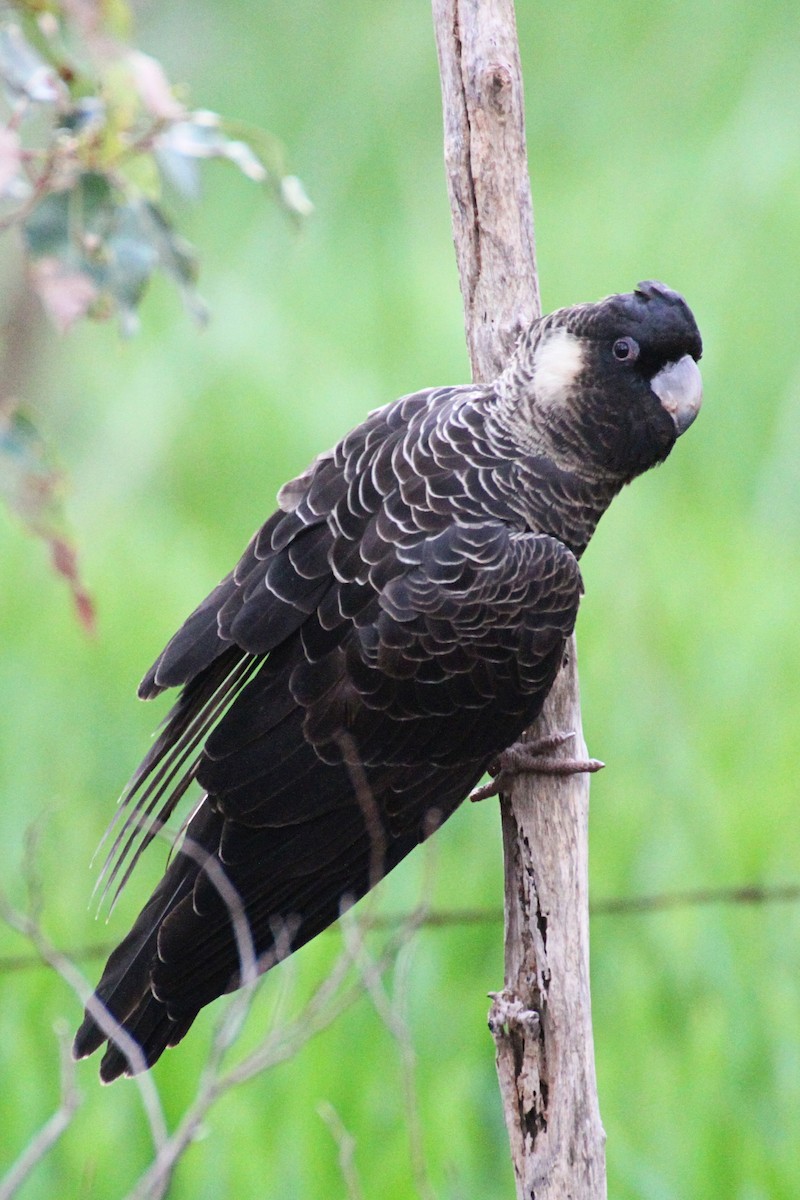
560,503
554,497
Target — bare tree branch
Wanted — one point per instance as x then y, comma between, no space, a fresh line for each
487,175
541,1020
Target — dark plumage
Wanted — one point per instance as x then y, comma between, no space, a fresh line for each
393,626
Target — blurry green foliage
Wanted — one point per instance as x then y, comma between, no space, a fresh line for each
664,142
91,129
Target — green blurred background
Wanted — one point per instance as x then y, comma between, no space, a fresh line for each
664,143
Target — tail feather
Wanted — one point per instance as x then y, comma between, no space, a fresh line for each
125,987
290,870
153,1030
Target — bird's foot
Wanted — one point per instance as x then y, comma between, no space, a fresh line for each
533,758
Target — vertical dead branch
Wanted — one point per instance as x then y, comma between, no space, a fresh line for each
541,1021
487,175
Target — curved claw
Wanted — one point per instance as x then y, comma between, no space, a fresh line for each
532,758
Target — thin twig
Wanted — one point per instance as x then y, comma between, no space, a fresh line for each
54,159
390,1011
63,966
51,1131
330,1000
346,1144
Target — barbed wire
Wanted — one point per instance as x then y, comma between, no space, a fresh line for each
612,906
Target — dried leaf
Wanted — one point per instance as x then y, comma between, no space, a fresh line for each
32,488
64,558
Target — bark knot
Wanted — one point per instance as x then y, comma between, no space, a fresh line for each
497,85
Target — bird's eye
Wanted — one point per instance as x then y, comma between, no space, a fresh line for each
625,349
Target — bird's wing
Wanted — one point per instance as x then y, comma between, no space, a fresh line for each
313,538
331,766
317,565
282,576
251,611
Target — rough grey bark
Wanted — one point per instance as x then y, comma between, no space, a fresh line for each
541,1020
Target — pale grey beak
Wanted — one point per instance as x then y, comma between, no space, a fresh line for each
679,387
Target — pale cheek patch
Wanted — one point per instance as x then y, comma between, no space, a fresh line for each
557,363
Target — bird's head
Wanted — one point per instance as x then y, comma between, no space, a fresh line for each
606,389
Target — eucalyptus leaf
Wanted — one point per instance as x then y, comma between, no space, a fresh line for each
295,197
23,71
268,149
46,230
204,135
61,221
177,259
181,171
130,259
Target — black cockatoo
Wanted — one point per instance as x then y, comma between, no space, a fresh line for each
395,625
